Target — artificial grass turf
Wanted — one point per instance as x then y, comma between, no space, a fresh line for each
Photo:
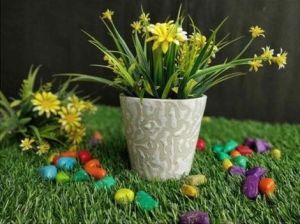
24,198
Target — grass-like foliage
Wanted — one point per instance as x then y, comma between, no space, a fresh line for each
166,62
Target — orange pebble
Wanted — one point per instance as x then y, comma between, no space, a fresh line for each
69,154
235,153
94,163
267,186
96,172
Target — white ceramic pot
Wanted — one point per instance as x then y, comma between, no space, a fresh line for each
162,134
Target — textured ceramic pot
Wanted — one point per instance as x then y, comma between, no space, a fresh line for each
162,134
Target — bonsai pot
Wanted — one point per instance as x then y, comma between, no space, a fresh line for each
161,134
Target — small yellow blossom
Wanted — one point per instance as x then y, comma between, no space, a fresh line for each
76,103
198,39
267,54
45,102
280,59
43,148
137,26
76,135
26,143
256,31
89,106
163,34
107,14
255,64
69,118
144,17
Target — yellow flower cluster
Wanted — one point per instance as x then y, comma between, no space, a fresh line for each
267,55
69,118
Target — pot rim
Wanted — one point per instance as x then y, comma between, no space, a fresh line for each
158,99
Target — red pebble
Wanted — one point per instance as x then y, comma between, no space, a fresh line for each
55,159
84,156
244,150
200,144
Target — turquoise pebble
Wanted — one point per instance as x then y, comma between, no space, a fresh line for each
217,148
145,201
106,183
66,163
230,145
48,172
222,156
81,176
240,161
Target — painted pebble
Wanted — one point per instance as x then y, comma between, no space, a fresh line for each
240,161
276,153
236,170
96,172
84,156
235,153
48,172
81,176
217,148
96,138
227,164
195,217
222,156
257,171
250,187
196,180
124,196
51,157
92,164
267,186
190,191
230,145
106,183
200,144
66,163
261,145
244,150
72,154
62,177
145,201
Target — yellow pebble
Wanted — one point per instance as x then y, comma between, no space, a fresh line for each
124,196
196,180
52,156
276,153
227,164
190,191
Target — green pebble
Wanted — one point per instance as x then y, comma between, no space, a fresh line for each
230,145
240,161
106,183
62,177
217,148
81,176
222,156
145,201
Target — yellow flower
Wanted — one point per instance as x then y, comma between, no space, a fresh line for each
69,118
144,17
280,59
76,103
267,54
43,148
164,34
255,64
198,39
107,14
26,143
256,31
89,106
45,102
137,26
75,136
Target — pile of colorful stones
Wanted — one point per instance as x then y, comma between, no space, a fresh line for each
235,158
191,183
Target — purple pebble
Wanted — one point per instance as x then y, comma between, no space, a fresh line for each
260,146
249,142
194,217
236,170
250,187
257,171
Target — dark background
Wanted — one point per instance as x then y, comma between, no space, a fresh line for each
48,32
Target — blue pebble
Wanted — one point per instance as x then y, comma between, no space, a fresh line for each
66,163
48,172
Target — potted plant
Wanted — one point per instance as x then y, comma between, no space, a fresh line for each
163,80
